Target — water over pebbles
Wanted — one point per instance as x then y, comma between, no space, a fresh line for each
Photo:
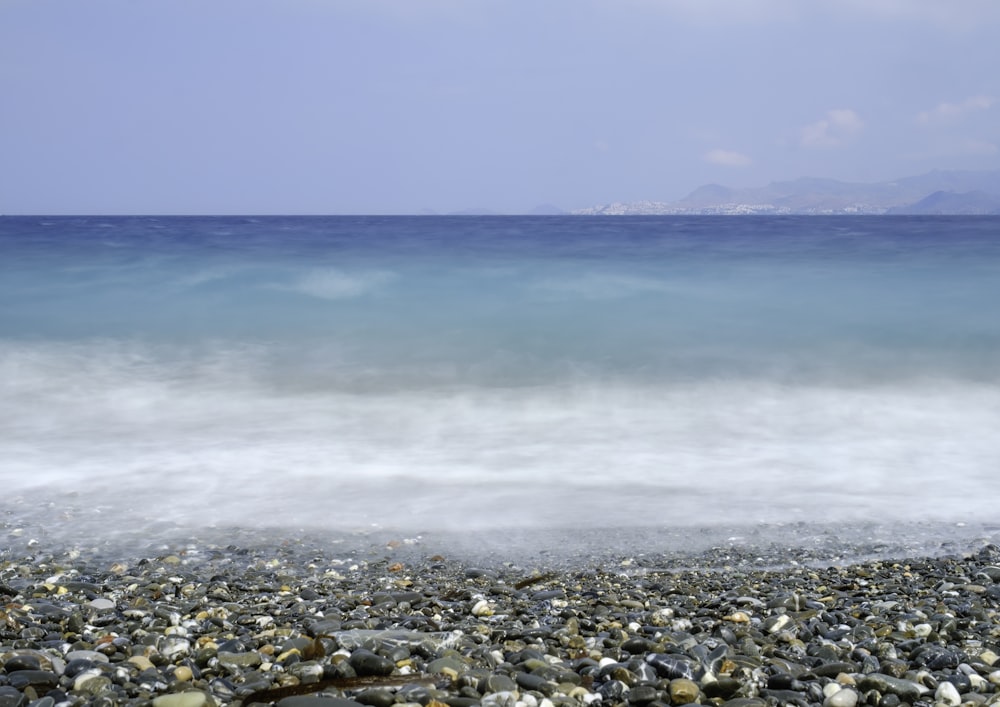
207,622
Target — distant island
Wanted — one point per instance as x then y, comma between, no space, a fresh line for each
940,192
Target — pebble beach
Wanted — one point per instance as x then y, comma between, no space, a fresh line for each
174,618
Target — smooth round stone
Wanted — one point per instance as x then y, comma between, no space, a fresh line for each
683,691
637,645
904,689
12,697
376,697
724,687
447,665
482,608
670,667
91,682
499,699
500,683
641,694
832,670
141,662
613,690
175,647
183,673
193,698
530,681
35,678
989,657
366,663
21,662
94,656
947,694
842,698
240,660
101,604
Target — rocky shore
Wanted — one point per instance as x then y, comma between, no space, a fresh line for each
229,619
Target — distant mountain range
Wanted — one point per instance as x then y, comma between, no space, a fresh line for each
937,192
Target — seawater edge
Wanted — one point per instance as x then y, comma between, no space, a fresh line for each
238,616
57,530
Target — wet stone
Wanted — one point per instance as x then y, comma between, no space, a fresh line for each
21,662
530,681
499,683
842,698
642,694
376,697
670,667
683,691
724,626
12,697
832,670
239,660
21,679
317,701
366,663
906,690
193,698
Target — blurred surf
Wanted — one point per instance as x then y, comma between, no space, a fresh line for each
502,372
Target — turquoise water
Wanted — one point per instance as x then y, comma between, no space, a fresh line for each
487,371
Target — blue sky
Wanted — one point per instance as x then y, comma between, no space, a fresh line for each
401,106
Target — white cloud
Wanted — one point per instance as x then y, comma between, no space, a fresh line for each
944,112
839,127
728,158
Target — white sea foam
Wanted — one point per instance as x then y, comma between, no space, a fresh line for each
334,284
215,436
598,286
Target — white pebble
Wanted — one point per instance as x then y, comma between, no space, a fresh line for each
175,647
499,699
947,694
482,608
85,676
831,688
842,698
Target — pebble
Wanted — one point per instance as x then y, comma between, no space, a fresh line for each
845,697
194,698
683,691
197,624
947,694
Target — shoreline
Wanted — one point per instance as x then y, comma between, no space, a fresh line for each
427,620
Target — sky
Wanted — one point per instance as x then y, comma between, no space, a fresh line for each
412,106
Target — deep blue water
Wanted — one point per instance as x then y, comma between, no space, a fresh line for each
474,371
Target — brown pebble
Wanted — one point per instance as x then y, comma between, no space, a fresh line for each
683,691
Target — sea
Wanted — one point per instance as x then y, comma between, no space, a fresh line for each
496,377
